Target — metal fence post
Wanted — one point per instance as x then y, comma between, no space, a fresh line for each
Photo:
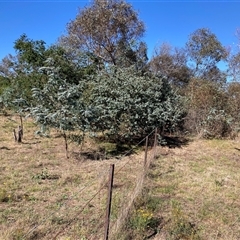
109,200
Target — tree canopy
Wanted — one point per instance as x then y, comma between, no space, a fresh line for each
171,63
129,104
205,51
97,78
107,29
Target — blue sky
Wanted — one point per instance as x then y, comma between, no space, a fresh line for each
166,21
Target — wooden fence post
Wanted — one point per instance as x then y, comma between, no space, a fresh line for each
21,121
146,149
66,144
109,201
20,134
155,143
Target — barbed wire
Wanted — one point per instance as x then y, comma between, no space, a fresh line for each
140,176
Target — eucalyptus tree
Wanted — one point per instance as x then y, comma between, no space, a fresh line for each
205,52
59,104
171,63
128,105
233,86
122,103
108,29
234,60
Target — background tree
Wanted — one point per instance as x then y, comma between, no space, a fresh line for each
205,52
107,29
234,60
73,71
135,55
233,106
20,73
234,67
207,109
30,54
22,70
171,63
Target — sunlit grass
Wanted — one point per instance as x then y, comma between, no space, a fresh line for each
190,192
42,191
204,180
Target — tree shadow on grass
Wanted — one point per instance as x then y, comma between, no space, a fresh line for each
4,148
104,153
31,143
108,150
175,142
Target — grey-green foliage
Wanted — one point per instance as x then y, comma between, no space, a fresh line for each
59,104
128,105
9,99
217,124
120,102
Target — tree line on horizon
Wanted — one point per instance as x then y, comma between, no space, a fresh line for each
98,79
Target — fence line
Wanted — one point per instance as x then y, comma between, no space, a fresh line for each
137,190
68,200
125,208
70,222
131,151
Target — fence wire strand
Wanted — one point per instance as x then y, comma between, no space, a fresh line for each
131,151
89,184
70,222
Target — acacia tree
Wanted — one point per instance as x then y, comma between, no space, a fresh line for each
108,29
20,73
205,51
21,70
31,54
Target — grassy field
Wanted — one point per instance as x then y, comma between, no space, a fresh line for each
199,187
190,192
43,194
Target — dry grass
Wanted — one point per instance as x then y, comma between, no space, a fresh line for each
43,193
201,182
